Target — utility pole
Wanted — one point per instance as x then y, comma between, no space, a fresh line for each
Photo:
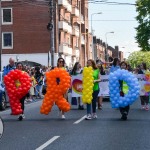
0,38
50,27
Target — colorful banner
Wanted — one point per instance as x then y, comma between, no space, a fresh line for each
144,81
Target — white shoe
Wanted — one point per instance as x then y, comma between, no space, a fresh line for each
63,116
142,107
94,116
88,117
23,116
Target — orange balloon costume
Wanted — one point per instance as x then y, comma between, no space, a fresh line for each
58,81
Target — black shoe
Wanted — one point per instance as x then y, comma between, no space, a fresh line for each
124,116
81,107
20,118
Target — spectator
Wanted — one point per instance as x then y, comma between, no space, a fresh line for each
115,65
75,71
144,99
39,79
9,67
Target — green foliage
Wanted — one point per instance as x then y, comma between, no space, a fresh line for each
136,58
143,29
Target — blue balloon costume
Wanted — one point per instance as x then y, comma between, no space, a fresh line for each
118,101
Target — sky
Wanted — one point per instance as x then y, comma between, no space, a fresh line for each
124,30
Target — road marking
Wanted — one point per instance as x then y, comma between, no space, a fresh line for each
78,121
47,143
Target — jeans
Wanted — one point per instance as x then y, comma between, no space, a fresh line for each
94,100
38,90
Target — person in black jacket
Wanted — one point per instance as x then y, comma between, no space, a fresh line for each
39,79
123,110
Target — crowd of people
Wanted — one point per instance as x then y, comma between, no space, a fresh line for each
38,83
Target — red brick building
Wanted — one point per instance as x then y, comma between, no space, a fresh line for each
25,36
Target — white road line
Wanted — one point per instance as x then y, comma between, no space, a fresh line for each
47,143
78,121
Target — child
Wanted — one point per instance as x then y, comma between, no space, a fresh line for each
33,83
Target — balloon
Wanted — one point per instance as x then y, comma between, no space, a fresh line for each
87,85
58,81
16,89
132,88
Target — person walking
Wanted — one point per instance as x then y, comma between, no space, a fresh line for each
19,66
39,79
100,98
123,110
61,64
144,99
75,71
96,76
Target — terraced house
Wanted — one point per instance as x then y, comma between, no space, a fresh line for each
26,37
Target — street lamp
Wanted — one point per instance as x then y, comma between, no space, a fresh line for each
92,32
106,45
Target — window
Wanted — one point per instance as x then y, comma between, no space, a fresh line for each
77,42
6,16
7,40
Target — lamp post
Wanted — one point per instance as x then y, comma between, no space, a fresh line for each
92,32
106,55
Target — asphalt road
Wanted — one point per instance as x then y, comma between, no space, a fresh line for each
108,132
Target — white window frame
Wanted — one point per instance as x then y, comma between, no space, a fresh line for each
7,47
7,23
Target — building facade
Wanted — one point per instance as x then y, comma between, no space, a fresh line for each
25,36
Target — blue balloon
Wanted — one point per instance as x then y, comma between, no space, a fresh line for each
114,91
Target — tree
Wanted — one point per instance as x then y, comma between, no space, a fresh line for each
143,29
136,58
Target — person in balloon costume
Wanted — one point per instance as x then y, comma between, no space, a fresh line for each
61,64
19,66
123,90
96,76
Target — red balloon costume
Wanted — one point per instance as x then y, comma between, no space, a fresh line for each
17,84
55,91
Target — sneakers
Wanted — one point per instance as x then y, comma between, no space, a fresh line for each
88,117
63,117
146,107
142,107
124,116
94,116
81,107
21,117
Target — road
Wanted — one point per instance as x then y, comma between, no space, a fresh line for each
108,132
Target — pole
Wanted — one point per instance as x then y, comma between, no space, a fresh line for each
0,38
106,57
52,31
92,38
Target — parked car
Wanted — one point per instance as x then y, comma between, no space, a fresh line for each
3,102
